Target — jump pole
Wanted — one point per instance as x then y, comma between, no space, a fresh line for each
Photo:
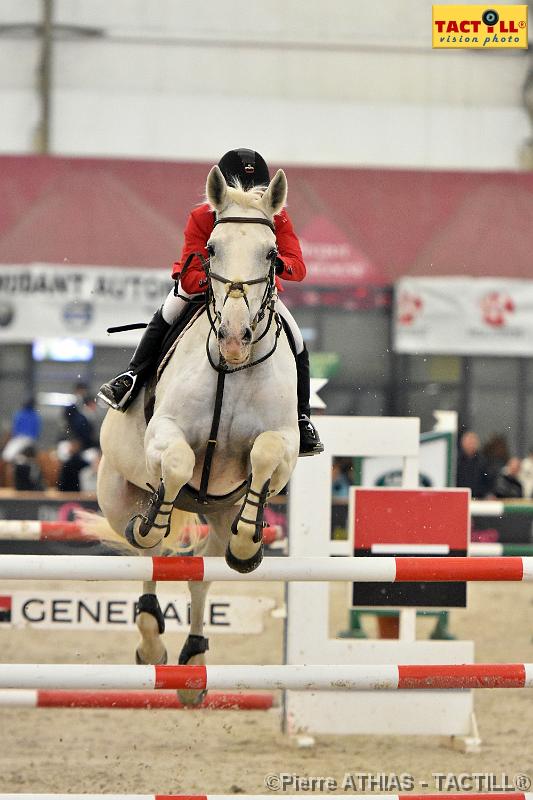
479,549
463,796
322,568
63,698
300,677
24,530
29,530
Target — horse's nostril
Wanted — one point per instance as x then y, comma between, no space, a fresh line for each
221,334
247,336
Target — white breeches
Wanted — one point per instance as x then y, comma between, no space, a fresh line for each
174,306
293,325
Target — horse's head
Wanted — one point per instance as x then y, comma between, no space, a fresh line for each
242,257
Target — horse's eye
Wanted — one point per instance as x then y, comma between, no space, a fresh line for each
272,253
211,249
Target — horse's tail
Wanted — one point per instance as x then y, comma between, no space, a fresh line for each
185,532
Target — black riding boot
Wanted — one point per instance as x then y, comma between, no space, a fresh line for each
310,443
119,392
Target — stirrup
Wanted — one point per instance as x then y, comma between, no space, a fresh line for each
310,444
109,399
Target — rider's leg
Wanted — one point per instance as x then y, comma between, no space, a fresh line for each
119,391
309,439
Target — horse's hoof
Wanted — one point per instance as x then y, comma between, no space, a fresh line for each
140,660
135,538
191,698
244,564
194,646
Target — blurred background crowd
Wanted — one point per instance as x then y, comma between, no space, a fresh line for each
71,464
490,470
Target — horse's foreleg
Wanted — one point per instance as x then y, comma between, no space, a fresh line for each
271,458
196,644
151,623
171,461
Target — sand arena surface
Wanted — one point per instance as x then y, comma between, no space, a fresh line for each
223,752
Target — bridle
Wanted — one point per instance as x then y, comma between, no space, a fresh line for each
238,290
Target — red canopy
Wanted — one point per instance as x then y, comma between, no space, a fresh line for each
357,226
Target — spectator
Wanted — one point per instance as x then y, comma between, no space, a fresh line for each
81,391
507,483
25,430
496,454
472,471
69,475
89,474
79,426
27,475
340,481
526,474
27,421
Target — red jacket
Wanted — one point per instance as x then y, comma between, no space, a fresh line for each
197,233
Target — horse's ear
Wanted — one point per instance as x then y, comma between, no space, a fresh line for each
216,189
275,196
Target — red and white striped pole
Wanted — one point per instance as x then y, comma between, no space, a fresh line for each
300,677
57,531
194,568
37,531
64,698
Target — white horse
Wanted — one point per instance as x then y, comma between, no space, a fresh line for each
253,451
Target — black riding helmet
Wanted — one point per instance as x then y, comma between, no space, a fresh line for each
245,166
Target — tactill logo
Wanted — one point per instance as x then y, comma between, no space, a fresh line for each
467,26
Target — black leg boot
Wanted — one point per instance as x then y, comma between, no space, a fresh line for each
310,443
119,392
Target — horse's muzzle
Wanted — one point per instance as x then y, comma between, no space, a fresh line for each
245,337
235,350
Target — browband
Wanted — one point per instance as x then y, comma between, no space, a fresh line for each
256,220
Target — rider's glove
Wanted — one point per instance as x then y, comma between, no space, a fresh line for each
280,266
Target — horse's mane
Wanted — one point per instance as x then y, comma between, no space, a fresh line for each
246,198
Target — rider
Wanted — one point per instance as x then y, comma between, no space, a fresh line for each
250,170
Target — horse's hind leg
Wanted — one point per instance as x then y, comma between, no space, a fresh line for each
196,645
272,461
118,499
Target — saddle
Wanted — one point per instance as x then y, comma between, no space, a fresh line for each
195,309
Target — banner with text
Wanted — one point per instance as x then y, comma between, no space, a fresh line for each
43,300
118,611
464,316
